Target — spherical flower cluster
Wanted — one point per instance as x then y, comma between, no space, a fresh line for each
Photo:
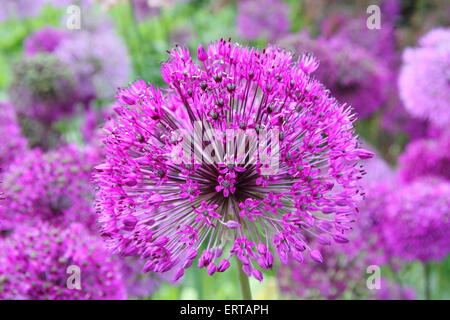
417,221
46,39
13,143
53,186
36,263
275,161
268,19
423,98
426,157
43,88
352,74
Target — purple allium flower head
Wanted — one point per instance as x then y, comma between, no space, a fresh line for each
43,88
53,186
423,98
34,265
267,19
352,74
168,206
13,143
46,39
417,221
99,68
426,157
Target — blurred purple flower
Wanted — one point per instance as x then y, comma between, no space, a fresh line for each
268,19
13,142
138,285
98,58
416,222
424,80
426,157
53,186
392,291
34,264
351,73
43,88
46,39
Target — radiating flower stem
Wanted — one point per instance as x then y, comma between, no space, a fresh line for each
244,282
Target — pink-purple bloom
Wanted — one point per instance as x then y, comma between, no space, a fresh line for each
266,19
13,142
424,80
350,72
46,39
426,157
416,221
53,186
157,201
43,88
36,263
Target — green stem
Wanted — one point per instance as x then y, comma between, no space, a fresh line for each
427,275
245,284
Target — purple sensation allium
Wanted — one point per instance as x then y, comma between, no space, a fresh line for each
417,221
426,157
98,57
168,206
53,186
13,142
43,88
36,263
423,98
352,74
46,39
268,19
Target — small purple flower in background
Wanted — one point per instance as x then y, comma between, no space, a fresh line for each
267,19
43,88
426,157
393,291
13,142
149,201
343,271
352,74
20,9
34,265
425,98
46,39
101,68
138,285
53,186
416,222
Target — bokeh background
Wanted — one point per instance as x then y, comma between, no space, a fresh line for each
57,85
